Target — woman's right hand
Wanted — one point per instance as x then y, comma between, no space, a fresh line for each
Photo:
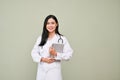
48,60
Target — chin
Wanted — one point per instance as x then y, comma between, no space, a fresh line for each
51,31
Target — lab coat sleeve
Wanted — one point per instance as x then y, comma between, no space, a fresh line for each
67,52
35,53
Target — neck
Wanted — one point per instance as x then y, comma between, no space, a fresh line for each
51,34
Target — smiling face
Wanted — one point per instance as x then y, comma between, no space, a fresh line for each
51,25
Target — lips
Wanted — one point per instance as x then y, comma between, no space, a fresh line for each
50,28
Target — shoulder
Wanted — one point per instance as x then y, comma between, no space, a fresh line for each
39,38
63,38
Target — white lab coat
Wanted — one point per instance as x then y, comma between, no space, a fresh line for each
50,71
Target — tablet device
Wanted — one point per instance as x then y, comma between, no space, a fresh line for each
58,47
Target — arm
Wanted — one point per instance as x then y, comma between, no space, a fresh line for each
35,51
36,54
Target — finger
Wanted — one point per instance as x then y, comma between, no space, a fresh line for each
51,60
48,61
51,48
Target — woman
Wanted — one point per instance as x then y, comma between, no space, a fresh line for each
49,68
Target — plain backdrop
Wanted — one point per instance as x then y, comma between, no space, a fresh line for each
92,28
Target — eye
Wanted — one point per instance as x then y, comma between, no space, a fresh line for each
52,23
48,23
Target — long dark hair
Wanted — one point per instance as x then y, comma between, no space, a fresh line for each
45,32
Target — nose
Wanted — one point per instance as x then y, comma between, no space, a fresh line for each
50,25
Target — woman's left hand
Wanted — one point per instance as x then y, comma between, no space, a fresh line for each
52,51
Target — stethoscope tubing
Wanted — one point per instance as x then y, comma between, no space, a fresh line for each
60,39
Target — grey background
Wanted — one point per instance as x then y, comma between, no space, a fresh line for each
91,26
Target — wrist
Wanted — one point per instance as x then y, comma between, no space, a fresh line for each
42,59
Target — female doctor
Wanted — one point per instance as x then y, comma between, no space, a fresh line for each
49,68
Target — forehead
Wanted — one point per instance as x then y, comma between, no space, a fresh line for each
51,20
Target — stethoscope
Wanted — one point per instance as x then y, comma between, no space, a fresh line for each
60,40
